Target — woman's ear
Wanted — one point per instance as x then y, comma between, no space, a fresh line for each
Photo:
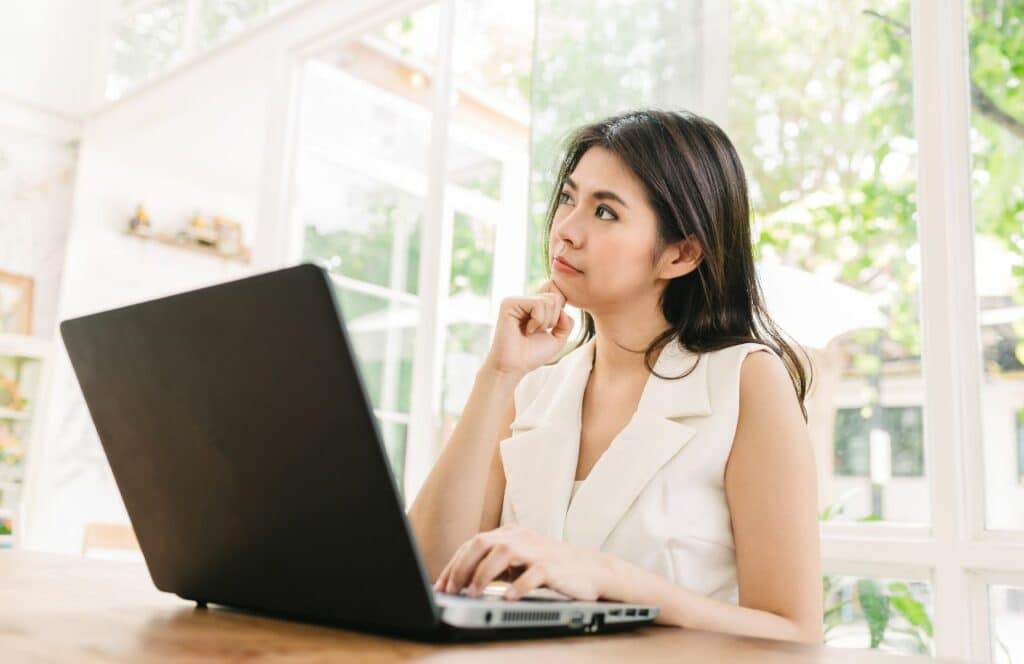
681,258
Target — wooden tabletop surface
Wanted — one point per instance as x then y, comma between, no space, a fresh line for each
64,608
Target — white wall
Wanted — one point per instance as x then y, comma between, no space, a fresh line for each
46,49
193,141
46,52
36,173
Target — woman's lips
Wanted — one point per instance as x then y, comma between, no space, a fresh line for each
563,265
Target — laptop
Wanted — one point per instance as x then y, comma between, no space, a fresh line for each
240,434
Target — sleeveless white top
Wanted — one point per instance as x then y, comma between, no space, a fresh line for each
656,496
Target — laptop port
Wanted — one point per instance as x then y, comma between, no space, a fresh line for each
642,612
487,617
615,612
630,612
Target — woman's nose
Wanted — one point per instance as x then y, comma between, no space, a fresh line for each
568,229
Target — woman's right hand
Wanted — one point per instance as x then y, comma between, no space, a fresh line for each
521,342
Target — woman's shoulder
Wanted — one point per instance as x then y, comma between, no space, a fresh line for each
738,351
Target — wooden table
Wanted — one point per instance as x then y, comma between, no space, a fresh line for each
62,608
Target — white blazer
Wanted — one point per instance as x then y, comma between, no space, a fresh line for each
656,496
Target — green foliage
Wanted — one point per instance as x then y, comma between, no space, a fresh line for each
890,609
875,606
820,107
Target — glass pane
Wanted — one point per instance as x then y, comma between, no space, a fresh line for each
383,333
888,614
997,181
363,135
465,346
222,18
394,434
473,170
487,165
145,43
358,227
821,111
472,267
1006,609
895,439
819,104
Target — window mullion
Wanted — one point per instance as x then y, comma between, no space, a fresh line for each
435,242
948,311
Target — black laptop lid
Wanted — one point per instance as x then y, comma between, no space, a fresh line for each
242,441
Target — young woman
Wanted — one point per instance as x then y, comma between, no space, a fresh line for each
687,482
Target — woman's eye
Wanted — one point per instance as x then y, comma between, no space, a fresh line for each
602,210
564,198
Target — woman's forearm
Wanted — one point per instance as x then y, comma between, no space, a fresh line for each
626,582
449,506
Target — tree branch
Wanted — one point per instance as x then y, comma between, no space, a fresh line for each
983,103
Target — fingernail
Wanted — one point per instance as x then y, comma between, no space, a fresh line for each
474,589
511,594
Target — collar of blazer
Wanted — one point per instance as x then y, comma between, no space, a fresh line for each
541,456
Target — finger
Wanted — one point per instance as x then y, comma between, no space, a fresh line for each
534,577
538,315
552,311
557,297
551,287
464,567
563,327
497,560
544,310
449,586
442,579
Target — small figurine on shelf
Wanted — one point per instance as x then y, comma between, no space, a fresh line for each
11,449
10,394
229,236
139,223
201,231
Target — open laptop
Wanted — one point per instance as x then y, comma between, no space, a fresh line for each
241,437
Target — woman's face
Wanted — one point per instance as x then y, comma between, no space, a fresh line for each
605,228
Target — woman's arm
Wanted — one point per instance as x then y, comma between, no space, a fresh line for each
463,492
771,487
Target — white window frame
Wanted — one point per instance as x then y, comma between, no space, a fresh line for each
955,553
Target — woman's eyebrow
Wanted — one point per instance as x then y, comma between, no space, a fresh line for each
604,194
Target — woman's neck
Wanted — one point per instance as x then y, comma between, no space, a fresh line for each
620,356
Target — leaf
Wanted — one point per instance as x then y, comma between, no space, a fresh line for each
834,615
913,611
875,606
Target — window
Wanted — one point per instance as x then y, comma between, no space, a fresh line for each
857,245
997,188
1006,606
365,191
1020,445
890,614
902,428
862,172
149,37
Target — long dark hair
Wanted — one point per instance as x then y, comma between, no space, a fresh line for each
696,185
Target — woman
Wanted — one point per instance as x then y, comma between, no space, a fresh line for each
687,482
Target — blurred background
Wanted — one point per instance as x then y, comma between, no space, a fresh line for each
153,146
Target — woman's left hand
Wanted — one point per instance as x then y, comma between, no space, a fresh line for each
538,560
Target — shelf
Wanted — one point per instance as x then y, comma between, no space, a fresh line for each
24,347
8,414
243,256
